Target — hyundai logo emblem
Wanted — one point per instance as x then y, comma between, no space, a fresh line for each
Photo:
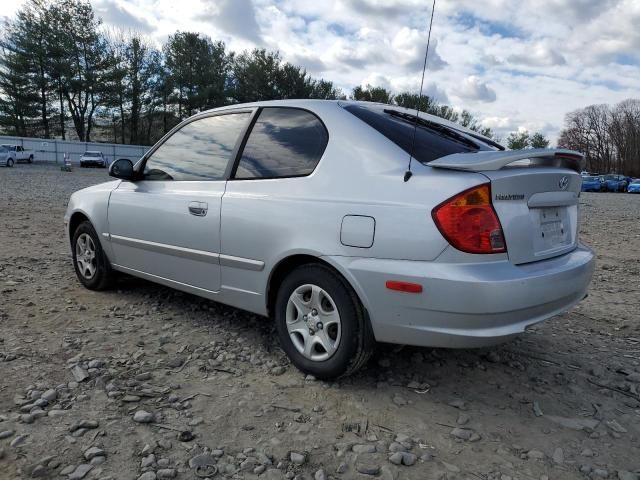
563,183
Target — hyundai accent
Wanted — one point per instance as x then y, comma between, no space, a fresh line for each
303,211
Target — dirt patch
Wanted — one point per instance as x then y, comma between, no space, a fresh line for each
147,382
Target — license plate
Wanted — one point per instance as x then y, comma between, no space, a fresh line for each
553,232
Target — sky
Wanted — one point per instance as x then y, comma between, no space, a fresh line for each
514,64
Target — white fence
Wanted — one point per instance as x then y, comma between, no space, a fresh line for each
47,150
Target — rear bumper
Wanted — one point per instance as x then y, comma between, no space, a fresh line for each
467,305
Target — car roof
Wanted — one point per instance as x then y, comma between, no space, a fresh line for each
316,105
92,151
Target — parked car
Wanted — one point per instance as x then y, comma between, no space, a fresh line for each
615,183
12,154
592,184
634,186
302,210
92,158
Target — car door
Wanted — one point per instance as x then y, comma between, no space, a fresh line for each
167,223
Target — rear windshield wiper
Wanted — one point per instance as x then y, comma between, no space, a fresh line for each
443,130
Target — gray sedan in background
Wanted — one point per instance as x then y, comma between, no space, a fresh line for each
303,211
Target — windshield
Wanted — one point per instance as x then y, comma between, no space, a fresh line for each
611,177
433,140
590,179
3,149
92,154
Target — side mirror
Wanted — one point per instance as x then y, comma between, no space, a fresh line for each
122,169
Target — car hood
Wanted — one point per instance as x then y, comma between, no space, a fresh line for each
99,187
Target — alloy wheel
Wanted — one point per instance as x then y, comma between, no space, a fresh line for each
313,322
86,256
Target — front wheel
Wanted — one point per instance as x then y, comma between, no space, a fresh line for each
321,323
89,260
30,159
10,162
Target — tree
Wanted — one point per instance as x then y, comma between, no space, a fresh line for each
518,140
538,140
255,76
198,70
372,94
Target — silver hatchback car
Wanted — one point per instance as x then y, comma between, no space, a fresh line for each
301,211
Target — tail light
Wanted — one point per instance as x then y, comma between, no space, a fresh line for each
469,222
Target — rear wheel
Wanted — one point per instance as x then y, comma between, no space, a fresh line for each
30,159
10,162
321,323
89,260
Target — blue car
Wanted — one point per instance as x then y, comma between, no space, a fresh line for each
592,184
634,186
615,183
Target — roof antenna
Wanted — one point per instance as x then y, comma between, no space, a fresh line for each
408,173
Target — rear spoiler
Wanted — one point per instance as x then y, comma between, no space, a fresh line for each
494,160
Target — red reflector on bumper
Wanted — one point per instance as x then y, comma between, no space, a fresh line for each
404,286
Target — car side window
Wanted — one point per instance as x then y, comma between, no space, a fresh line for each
200,150
284,142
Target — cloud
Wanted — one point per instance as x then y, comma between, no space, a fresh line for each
114,14
235,17
474,89
538,56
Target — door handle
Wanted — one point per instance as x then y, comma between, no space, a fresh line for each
199,209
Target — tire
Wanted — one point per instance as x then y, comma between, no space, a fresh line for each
94,272
30,159
351,341
10,162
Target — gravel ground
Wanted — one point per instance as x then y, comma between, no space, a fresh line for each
146,382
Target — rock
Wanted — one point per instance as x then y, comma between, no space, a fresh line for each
39,471
67,470
633,377
599,473
203,460
558,456
148,476
364,448
98,461
84,424
587,452
409,459
535,454
396,458
320,475
537,411
367,469
50,395
342,468
80,472
463,419
397,447
79,374
616,427
166,474
462,433
624,475
2,454
278,370
94,452
148,461
6,434
18,441
142,416
97,364
297,458
131,398
457,403
574,423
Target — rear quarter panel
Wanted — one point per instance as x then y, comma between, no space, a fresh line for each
360,173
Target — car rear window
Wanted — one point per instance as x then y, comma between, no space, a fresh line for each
429,144
284,142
